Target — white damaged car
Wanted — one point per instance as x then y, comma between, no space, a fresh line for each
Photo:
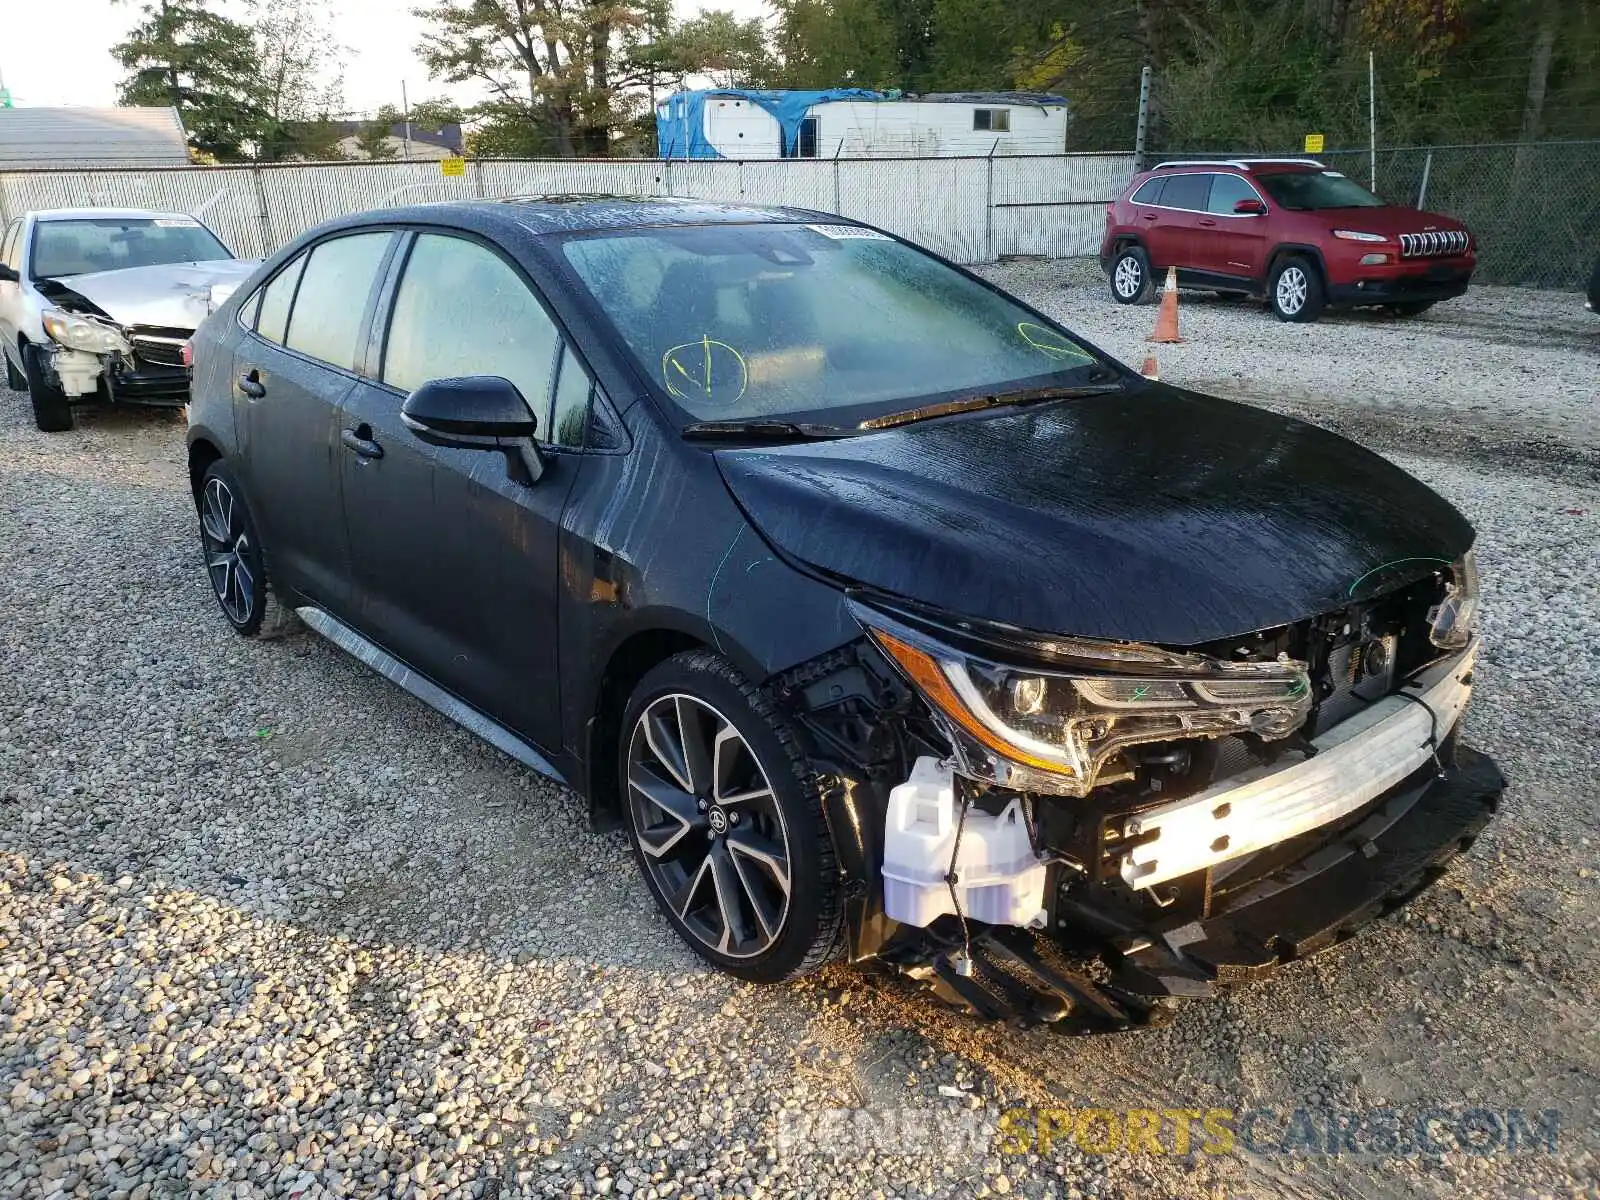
101,303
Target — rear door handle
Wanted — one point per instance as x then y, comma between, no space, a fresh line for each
1207,222
250,384
359,441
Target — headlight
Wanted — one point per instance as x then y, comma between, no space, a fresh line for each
1452,622
77,332
1057,729
1356,235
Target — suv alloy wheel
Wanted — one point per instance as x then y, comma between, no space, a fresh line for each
1130,275
1295,290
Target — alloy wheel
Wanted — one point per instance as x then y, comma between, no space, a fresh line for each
227,547
1127,276
1292,288
709,826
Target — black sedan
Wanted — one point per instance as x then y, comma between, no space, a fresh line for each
890,618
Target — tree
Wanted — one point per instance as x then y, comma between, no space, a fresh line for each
834,43
718,45
372,138
301,72
546,63
203,64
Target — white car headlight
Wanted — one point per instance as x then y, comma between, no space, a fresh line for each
1356,235
78,332
1055,729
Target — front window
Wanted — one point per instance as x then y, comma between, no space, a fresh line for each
1306,191
735,322
78,247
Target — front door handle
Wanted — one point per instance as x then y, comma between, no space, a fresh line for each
1207,222
359,441
250,384
1149,216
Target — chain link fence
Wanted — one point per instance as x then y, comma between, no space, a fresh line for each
969,209
1534,207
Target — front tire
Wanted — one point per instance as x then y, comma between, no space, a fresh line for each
51,411
1130,276
1295,290
726,822
234,562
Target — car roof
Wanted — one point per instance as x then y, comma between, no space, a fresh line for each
547,215
108,214
1254,166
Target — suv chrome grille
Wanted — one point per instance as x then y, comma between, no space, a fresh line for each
1433,243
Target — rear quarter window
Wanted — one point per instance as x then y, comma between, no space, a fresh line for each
1150,191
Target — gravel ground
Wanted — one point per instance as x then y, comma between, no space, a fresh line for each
270,927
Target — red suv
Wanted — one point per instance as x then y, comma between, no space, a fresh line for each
1290,230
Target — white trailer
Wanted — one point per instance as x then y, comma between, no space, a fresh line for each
750,125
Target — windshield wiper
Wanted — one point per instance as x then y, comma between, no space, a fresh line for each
765,431
990,400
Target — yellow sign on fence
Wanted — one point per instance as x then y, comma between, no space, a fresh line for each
1313,143
452,166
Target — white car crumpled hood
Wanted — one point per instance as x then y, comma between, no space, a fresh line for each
171,295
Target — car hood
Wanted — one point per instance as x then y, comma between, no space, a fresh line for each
1389,219
1151,515
171,295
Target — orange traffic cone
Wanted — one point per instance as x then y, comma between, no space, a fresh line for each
1167,319
1150,370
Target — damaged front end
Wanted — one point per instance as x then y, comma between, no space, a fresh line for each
91,354
1083,832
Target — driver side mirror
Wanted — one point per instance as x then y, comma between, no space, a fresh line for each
9,274
477,412
1250,208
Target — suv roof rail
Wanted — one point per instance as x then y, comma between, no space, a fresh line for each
1244,164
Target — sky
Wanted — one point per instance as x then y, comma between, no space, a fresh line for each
59,52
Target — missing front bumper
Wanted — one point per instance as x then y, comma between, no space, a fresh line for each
1354,762
1106,969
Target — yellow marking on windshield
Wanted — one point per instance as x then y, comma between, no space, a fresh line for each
1049,342
700,374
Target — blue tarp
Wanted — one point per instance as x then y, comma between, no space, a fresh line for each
681,133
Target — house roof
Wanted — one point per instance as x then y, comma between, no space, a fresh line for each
91,137
447,136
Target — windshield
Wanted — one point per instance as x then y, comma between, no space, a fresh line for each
1303,191
116,243
739,322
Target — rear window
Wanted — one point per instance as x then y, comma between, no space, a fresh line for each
1187,191
79,247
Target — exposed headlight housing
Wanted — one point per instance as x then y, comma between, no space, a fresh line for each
1453,621
1057,729
78,332
1356,235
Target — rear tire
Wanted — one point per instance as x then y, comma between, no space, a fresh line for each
1130,275
726,822
51,411
1295,290
15,379
234,562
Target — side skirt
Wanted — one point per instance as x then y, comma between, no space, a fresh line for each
424,689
